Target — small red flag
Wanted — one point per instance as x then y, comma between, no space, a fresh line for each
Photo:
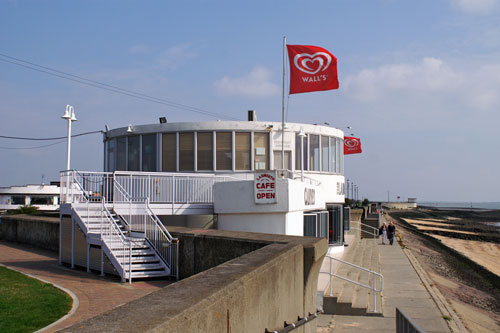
352,145
312,68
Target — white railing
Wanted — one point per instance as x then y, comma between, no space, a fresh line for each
372,287
114,239
125,187
374,232
297,175
166,246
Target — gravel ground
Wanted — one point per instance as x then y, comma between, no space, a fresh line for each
474,298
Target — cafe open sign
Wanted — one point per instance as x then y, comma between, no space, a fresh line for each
265,187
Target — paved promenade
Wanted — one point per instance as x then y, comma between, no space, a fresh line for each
404,289
95,295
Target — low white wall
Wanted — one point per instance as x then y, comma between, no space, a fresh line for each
265,223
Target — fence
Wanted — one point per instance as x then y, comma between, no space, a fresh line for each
404,324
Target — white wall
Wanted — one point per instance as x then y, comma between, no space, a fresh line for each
266,223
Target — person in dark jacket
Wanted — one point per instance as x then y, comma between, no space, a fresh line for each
391,229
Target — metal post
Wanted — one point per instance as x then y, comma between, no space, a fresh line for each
283,109
374,293
331,278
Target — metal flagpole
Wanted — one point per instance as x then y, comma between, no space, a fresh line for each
283,109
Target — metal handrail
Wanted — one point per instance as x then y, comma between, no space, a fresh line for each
110,233
297,176
161,240
373,287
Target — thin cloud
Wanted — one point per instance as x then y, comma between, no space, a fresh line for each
475,6
429,80
176,56
257,83
139,49
430,75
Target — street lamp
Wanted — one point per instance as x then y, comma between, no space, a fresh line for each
69,114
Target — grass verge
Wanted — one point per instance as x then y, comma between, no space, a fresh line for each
27,304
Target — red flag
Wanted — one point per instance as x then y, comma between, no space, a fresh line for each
352,145
312,68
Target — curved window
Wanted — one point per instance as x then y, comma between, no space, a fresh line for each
111,155
121,153
169,152
204,151
186,151
314,164
133,153
325,161
242,151
149,152
261,150
224,151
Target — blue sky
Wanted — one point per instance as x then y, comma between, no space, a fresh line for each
419,81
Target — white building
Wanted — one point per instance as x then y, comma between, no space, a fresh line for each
227,175
45,197
309,192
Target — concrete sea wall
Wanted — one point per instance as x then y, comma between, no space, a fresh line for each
230,282
39,231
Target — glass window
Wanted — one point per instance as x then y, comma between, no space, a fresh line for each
121,154
310,225
335,226
111,155
298,151
149,152
18,200
42,200
325,161
242,151
133,153
224,150
186,151
261,150
169,152
333,154
323,224
337,161
314,152
205,155
341,157
278,165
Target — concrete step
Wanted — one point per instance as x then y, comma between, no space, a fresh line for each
146,274
351,299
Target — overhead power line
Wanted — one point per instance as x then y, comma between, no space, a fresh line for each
37,147
46,139
108,87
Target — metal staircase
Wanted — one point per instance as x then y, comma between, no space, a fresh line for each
140,247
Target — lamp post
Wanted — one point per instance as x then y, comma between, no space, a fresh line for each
69,114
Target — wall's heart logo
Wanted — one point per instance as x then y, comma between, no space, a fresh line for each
350,143
312,63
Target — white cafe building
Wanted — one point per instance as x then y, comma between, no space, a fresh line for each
229,175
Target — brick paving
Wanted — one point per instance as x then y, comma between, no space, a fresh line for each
95,294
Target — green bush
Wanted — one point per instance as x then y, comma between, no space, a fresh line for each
29,210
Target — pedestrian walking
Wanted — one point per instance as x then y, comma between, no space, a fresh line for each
391,230
383,232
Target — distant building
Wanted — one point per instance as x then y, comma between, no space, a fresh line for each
45,197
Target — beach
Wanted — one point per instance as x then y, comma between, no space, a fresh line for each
459,250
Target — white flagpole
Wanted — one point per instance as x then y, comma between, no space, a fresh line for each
283,109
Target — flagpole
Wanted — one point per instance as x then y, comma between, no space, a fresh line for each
283,109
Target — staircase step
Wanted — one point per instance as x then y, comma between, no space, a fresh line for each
145,267
146,274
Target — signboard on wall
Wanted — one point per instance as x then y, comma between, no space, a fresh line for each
265,187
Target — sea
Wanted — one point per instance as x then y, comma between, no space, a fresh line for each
451,204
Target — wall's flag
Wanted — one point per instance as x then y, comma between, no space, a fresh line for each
312,68
352,145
